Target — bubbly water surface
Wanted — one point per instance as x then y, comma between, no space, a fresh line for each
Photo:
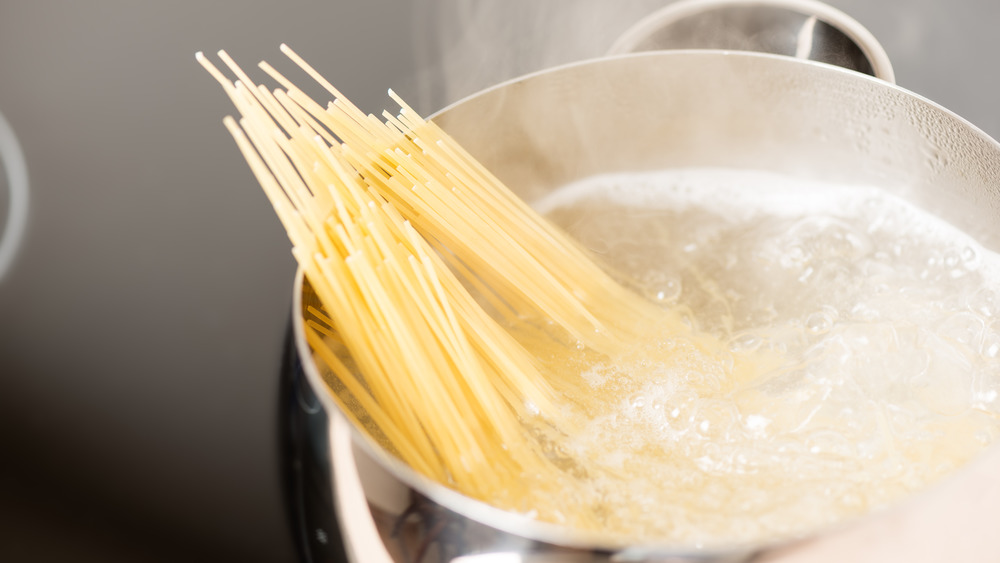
880,322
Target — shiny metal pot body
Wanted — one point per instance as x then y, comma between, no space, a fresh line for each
653,111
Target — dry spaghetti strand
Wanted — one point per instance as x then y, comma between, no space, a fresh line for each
391,222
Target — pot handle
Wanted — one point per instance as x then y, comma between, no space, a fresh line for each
804,29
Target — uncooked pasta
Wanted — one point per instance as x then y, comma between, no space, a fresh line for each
422,260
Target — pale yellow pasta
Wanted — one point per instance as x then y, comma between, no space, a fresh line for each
387,220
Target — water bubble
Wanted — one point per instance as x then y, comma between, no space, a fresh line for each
990,348
877,268
986,302
898,249
756,425
970,257
986,436
987,396
952,258
819,322
667,289
807,274
596,376
965,328
794,257
865,312
747,342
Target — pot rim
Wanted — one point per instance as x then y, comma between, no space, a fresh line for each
839,20
564,536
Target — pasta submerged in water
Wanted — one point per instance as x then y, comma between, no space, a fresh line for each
392,223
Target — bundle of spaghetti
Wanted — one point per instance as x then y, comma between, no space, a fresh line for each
446,386
475,221
390,222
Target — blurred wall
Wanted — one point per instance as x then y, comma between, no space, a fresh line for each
141,325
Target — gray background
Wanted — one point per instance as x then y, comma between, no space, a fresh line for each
141,327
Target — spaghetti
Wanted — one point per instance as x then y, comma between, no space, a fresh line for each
486,350
392,222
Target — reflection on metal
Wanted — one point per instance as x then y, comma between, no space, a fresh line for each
17,196
806,39
352,505
804,29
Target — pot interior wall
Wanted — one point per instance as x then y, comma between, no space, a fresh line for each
734,110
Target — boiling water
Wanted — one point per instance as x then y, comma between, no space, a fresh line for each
859,360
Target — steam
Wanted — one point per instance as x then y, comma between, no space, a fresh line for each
464,46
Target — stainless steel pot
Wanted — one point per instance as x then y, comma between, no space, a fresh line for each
661,110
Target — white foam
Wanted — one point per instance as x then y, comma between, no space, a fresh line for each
881,311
